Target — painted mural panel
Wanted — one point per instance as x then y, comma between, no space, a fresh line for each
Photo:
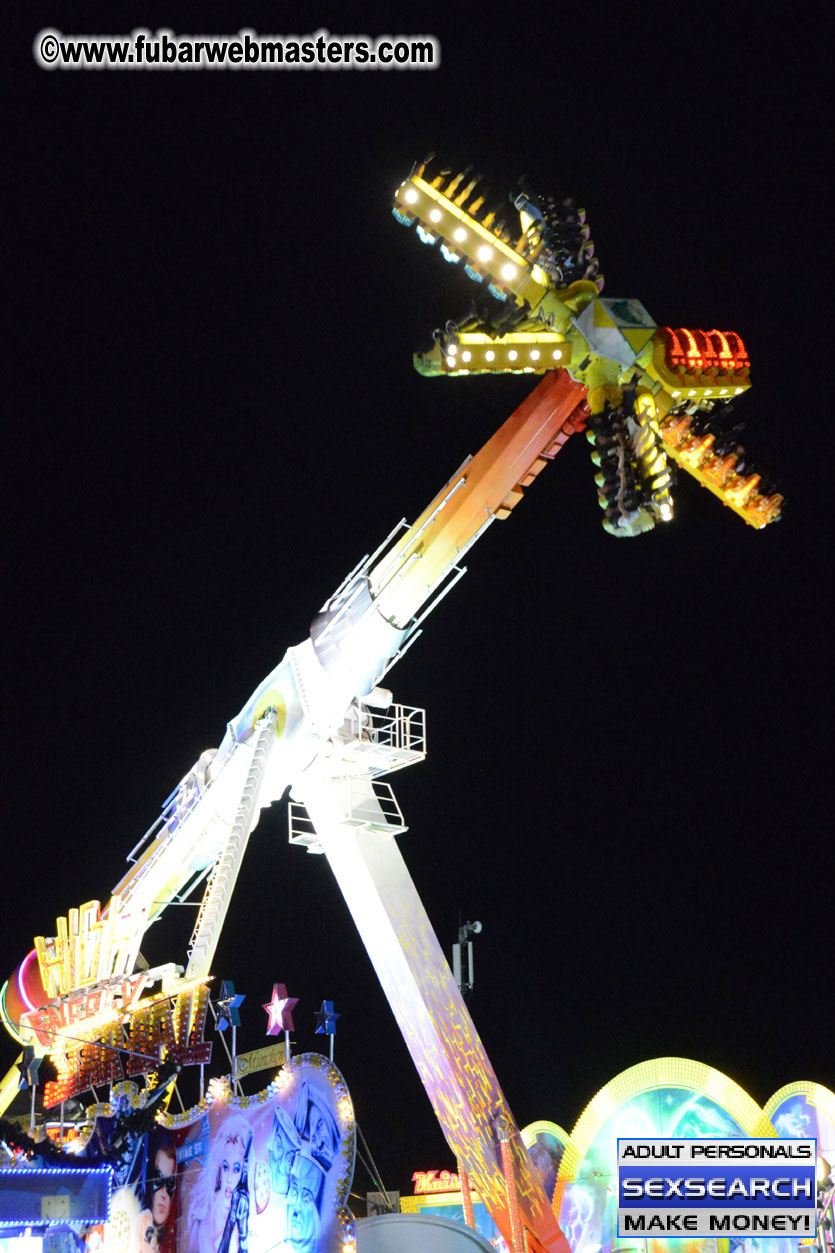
545,1142
144,1163
271,1174
803,1113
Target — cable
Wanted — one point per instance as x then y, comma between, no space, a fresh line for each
372,1168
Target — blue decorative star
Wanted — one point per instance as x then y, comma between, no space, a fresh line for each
326,1019
28,1066
227,1005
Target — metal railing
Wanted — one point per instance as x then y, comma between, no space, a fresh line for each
367,805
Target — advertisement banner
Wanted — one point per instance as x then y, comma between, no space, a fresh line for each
716,1188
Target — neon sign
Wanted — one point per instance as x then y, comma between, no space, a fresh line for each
435,1181
704,350
54,1195
88,949
166,1027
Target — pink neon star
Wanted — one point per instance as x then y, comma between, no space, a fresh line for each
280,1010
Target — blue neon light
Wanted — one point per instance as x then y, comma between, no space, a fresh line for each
50,1196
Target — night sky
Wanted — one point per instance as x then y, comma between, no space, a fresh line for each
214,415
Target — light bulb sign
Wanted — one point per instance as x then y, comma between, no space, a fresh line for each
168,1025
686,1189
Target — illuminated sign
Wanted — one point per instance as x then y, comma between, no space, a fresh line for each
704,350
88,949
38,1197
716,1188
272,1055
168,1026
435,1181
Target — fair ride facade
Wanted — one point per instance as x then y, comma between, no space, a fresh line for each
322,727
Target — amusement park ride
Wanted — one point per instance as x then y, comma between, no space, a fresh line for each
321,725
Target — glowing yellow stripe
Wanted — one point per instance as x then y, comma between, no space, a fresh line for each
88,1029
515,337
473,352
487,236
529,283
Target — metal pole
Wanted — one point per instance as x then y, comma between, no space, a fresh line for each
512,1191
466,1194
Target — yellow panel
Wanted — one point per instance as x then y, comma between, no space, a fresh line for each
637,336
601,317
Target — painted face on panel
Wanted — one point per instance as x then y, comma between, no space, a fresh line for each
231,1166
148,1236
303,1198
283,1147
163,1185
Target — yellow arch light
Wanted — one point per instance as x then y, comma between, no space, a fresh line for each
543,1127
661,1072
816,1094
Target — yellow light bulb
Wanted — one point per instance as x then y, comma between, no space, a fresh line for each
460,235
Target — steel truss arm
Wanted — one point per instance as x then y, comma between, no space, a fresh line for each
444,1044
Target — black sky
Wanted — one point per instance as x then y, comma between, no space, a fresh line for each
213,415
